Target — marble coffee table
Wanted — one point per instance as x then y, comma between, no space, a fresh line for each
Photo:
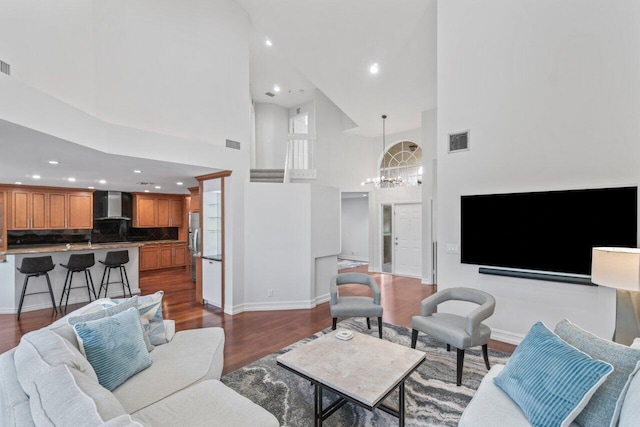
363,370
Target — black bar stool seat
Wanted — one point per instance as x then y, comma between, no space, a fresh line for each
78,263
115,260
36,267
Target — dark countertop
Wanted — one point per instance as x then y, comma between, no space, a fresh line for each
216,257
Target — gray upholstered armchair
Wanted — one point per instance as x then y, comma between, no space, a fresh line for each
462,332
354,306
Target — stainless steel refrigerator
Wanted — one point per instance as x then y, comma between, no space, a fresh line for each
195,240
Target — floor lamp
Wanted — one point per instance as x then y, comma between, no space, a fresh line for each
619,268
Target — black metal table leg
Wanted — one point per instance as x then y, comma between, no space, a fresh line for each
401,405
318,404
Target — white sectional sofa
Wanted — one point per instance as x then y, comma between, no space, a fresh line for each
492,407
181,387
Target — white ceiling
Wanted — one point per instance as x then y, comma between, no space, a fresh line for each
26,152
327,44
331,43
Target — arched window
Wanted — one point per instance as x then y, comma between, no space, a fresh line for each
403,160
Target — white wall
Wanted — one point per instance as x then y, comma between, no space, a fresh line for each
343,160
355,228
49,45
551,94
272,124
288,229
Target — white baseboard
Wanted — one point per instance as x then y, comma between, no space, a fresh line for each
323,298
353,258
236,309
426,281
506,336
283,305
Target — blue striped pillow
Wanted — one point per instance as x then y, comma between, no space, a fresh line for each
114,347
549,379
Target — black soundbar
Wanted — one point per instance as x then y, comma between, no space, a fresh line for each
537,276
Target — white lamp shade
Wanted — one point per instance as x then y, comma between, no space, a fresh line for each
616,268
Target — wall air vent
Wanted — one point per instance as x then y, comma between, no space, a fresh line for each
233,144
271,94
458,141
5,68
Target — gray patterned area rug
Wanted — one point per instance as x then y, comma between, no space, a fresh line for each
432,398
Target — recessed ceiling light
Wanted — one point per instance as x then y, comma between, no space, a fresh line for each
374,68
35,176
137,171
18,182
91,187
268,42
276,88
179,183
102,181
158,187
54,162
146,191
71,179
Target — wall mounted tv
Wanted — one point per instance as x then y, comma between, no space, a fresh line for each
550,231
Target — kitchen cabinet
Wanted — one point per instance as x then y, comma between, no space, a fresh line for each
158,211
150,257
80,210
28,210
195,199
3,227
173,255
58,210
33,209
163,255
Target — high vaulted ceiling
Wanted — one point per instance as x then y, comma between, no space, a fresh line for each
330,44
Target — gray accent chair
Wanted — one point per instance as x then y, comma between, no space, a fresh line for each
354,306
461,332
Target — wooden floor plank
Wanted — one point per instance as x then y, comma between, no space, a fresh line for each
249,335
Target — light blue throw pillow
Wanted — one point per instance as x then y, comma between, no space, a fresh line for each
150,308
114,347
110,311
604,408
550,380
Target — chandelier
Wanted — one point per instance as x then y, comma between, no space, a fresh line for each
381,180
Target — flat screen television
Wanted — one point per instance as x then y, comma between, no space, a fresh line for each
551,231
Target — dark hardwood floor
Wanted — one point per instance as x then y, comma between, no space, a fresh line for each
249,335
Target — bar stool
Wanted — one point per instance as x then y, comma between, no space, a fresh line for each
36,267
78,263
115,259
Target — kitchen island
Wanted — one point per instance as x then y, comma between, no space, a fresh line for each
11,279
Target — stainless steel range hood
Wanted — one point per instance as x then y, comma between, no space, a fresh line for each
111,205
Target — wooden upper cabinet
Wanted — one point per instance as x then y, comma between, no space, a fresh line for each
28,210
195,199
144,214
80,210
158,211
58,210
164,213
35,209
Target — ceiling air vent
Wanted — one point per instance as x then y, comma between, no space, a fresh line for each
458,141
271,94
5,68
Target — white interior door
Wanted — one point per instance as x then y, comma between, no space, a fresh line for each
408,239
